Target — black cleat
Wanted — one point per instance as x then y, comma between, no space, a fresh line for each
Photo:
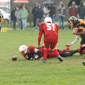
44,61
60,59
83,63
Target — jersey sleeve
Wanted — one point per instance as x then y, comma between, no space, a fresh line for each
41,27
57,28
76,40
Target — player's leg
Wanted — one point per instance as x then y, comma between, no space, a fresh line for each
81,49
46,46
82,43
73,52
53,47
45,55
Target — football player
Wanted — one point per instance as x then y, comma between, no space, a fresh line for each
29,52
34,53
1,20
50,31
78,26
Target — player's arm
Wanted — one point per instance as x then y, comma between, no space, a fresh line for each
76,32
75,41
38,52
39,37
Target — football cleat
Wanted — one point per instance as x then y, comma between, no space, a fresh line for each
60,58
44,61
83,63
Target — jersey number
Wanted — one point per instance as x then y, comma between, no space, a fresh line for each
50,27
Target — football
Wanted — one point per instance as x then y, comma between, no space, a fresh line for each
14,58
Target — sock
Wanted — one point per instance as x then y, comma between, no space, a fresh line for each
83,52
79,48
45,54
56,52
83,48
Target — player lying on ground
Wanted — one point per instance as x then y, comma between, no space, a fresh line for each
33,52
78,26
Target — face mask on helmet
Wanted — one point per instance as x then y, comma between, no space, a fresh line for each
71,21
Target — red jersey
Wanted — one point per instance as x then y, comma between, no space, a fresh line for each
31,49
50,31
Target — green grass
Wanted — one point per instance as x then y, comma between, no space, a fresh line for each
24,72
28,26
11,26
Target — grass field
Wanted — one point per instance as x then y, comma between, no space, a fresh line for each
24,72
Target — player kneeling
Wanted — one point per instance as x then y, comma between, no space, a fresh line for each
50,31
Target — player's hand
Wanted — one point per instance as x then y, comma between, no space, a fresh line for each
38,46
67,45
27,57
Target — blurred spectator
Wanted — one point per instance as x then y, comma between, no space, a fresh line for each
76,1
13,18
34,14
46,11
73,11
18,17
61,14
39,17
81,10
52,12
24,15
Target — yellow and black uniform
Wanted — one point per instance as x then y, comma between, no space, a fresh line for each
81,27
1,20
80,24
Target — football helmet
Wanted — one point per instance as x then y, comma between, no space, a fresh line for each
23,49
48,19
72,20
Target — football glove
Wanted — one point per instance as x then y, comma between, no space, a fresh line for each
67,45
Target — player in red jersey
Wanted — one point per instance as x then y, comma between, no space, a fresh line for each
50,31
29,52
33,53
